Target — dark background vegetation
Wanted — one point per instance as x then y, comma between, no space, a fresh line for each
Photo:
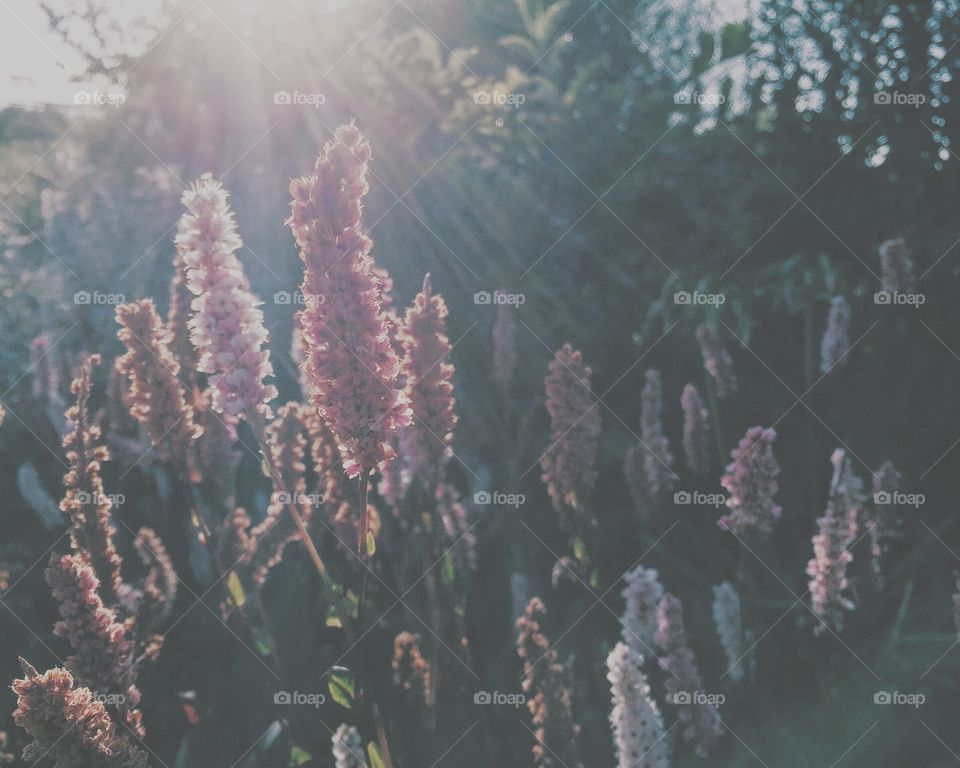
596,199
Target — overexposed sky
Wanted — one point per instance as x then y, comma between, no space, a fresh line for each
35,65
38,67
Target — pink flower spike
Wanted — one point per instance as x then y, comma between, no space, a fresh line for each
226,325
351,365
751,481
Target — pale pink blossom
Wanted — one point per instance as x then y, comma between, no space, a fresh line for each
751,481
638,733
226,325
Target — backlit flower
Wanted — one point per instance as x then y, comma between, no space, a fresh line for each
351,364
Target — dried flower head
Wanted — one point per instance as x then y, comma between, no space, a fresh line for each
226,325
635,719
639,620
103,655
831,547
91,534
717,360
695,429
896,267
751,481
698,719
569,463
428,373
548,698
155,396
68,725
350,362
411,672
836,337
726,618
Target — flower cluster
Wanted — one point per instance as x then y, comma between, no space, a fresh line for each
155,396
348,748
726,618
831,547
569,463
635,719
641,596
68,725
287,441
657,459
896,267
428,373
160,584
717,360
351,364
91,534
103,655
695,446
699,719
411,672
226,324
547,696
751,481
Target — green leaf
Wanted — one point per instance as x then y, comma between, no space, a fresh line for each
449,571
579,549
235,588
371,543
376,761
260,641
264,467
299,756
340,604
342,686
